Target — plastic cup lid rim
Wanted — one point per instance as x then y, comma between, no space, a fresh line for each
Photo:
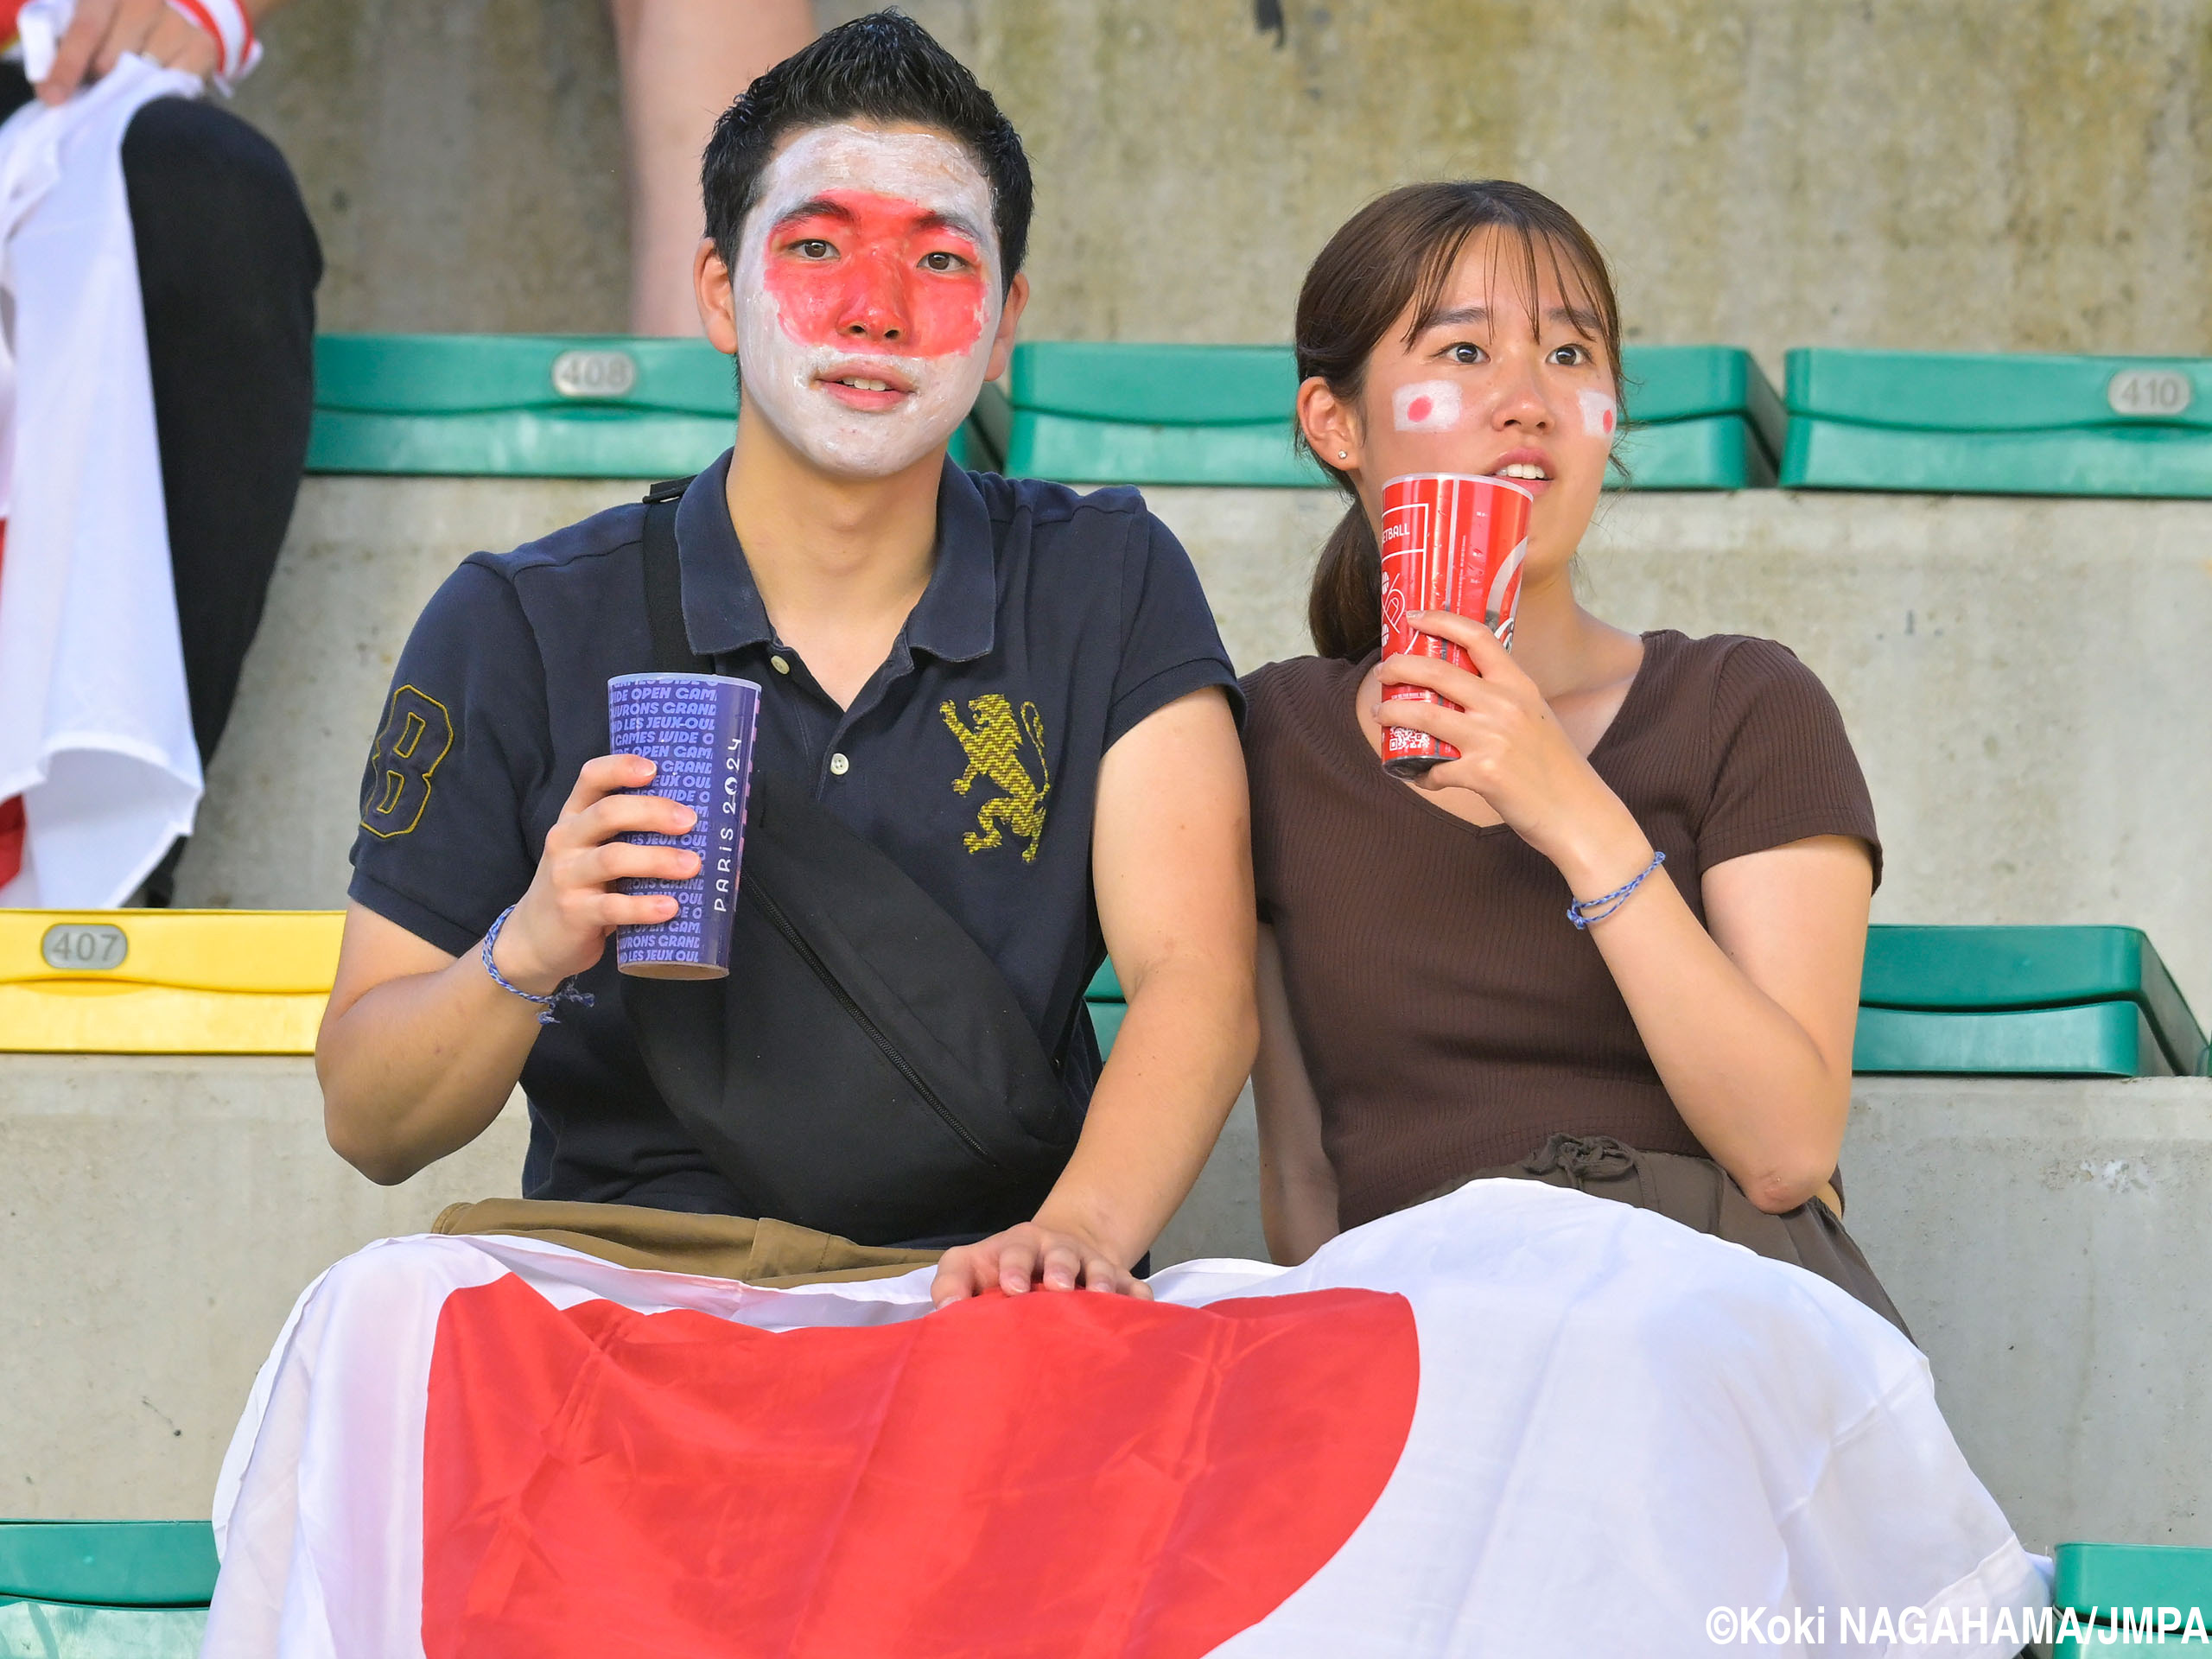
1515,485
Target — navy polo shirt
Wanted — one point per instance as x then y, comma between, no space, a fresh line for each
1052,623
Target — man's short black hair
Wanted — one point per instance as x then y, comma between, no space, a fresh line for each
886,68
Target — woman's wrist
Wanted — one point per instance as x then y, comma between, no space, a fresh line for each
1608,852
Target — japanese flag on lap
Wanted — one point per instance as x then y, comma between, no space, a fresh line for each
1516,1420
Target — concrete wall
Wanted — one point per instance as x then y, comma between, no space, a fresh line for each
461,160
363,557
158,1216
2046,1243
1965,174
2023,678
2043,1240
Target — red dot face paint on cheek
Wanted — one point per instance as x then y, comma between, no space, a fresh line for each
856,270
1419,410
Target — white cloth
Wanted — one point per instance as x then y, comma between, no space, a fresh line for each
95,724
1620,1425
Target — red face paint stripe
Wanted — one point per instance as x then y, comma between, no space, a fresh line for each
874,293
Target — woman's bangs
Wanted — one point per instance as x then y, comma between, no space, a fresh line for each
1524,254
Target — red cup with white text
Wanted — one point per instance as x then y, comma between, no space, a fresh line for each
1451,541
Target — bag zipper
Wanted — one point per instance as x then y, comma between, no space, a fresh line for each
874,1032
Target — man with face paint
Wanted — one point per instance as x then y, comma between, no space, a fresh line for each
1015,692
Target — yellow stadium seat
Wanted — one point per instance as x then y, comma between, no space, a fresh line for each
165,982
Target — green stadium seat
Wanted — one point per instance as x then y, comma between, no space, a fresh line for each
1703,417
2075,1001
2098,1039
2107,1577
524,406
105,1589
1103,998
1999,425
1982,1001
1096,412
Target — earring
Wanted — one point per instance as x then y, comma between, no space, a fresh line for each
1343,455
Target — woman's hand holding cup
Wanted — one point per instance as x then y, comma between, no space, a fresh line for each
562,924
1514,754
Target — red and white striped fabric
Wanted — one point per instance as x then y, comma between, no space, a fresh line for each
1515,1420
225,22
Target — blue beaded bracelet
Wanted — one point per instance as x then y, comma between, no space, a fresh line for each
565,994
1583,911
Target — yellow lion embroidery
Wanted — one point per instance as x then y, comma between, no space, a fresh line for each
994,750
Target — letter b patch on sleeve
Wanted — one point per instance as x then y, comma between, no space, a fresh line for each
417,735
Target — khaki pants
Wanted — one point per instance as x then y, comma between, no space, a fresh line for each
775,1254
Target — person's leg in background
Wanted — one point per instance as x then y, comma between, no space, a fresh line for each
682,63
228,265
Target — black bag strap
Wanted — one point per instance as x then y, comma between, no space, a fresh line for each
898,1091
673,652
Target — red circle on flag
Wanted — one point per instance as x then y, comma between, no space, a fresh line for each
1045,1475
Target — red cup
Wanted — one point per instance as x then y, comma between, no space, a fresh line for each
1451,541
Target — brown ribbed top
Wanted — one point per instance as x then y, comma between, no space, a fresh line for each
1451,1017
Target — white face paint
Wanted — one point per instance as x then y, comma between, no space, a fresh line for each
868,295
1426,406
1600,413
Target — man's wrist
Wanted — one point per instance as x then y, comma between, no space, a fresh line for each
518,964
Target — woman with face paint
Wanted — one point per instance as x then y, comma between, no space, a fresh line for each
1007,702
1431,1011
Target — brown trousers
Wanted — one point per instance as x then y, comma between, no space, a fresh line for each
770,1253
1700,1194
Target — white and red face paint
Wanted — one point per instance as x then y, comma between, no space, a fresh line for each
868,295
1600,413
1426,406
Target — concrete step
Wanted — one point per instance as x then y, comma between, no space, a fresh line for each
2046,1242
158,1216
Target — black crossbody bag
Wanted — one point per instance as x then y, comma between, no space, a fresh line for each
865,1069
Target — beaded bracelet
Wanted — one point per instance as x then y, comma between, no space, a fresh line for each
549,1007
1583,911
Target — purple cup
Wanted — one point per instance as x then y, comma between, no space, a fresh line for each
697,729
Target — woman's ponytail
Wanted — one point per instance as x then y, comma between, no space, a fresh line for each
1344,611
